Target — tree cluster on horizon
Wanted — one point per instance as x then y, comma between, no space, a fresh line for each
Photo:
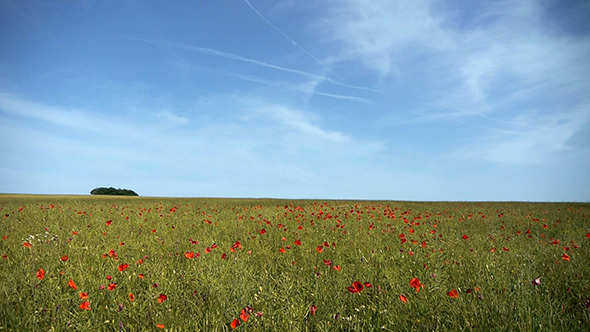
113,191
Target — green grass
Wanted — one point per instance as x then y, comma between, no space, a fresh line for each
495,289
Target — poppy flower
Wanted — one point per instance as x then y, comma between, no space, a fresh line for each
465,237
453,293
122,267
109,222
40,274
357,287
189,255
131,297
64,258
337,267
84,296
27,245
140,276
328,262
207,250
282,250
565,257
298,242
312,309
235,323
162,298
403,298
160,326
109,277
319,249
368,285
415,283
223,256
110,287
85,305
72,284
244,315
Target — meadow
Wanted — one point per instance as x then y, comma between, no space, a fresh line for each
135,263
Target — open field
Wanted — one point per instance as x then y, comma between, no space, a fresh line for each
129,263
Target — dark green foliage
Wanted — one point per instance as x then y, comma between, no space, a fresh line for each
113,191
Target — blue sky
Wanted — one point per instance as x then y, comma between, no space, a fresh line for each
360,99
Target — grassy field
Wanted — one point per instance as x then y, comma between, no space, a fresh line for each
126,264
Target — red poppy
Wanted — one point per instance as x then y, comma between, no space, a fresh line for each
337,267
109,222
298,242
109,278
368,285
112,286
162,298
207,250
244,315
357,287
282,250
403,298
262,231
160,326
328,262
27,245
235,323
122,267
189,255
453,293
223,256
72,284
40,274
312,309
465,237
415,283
85,305
587,236
319,249
140,276
565,257
131,297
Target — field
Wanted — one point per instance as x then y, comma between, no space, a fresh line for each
127,264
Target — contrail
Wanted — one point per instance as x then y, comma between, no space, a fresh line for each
296,88
291,40
231,56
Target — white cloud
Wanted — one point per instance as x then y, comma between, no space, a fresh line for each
379,32
531,146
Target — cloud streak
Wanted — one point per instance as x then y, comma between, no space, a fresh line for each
235,57
291,40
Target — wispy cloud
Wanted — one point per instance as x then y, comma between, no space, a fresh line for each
235,57
291,40
299,121
308,88
530,146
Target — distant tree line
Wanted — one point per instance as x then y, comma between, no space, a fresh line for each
113,191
